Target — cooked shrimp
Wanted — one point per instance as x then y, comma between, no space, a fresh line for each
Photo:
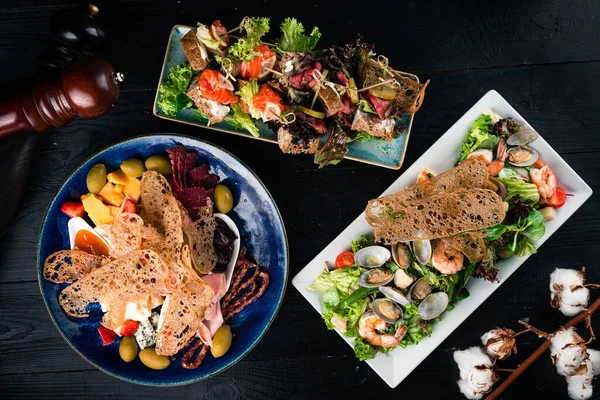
544,179
496,166
425,175
369,324
446,259
484,155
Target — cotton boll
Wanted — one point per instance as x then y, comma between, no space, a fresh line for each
580,383
570,311
467,392
568,351
499,343
595,360
575,296
565,278
481,379
467,359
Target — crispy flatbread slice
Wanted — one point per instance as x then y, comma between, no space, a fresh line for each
133,277
469,174
447,213
471,244
201,236
183,311
163,213
70,265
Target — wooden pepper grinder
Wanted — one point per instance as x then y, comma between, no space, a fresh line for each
87,88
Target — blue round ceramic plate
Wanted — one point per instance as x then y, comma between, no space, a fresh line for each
262,232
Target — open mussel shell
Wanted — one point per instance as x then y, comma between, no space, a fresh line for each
497,186
376,277
421,289
422,250
372,256
433,306
522,156
387,310
394,295
522,138
401,254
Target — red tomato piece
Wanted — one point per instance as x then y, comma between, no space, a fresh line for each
344,260
129,327
558,199
106,335
73,209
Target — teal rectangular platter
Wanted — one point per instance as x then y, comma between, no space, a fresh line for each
380,153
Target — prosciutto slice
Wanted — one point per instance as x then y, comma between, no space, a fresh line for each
213,318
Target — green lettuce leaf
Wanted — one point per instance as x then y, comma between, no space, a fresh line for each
331,297
478,135
247,93
525,247
241,120
366,107
361,137
515,186
345,280
360,243
294,39
525,229
243,48
177,83
363,350
417,329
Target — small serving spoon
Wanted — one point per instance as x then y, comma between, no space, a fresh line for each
236,248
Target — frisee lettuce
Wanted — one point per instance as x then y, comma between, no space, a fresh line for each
360,243
363,350
177,83
294,39
243,48
247,93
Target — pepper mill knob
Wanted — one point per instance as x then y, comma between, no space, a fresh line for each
87,88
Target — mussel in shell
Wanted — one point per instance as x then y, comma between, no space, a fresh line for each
394,295
421,289
422,250
376,277
433,306
388,310
401,254
522,138
522,156
372,256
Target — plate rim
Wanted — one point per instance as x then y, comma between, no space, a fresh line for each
179,382
175,119
586,193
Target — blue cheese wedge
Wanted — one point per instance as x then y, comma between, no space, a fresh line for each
145,335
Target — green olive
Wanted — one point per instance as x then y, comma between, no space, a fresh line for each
223,199
152,360
96,178
128,349
159,164
133,167
221,341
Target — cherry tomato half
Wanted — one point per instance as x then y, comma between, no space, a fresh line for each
558,199
344,260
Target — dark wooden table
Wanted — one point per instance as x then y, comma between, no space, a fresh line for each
542,56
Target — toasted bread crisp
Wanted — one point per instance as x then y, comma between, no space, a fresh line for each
332,103
201,235
193,50
374,125
471,244
70,265
163,213
447,213
182,312
133,277
128,233
284,138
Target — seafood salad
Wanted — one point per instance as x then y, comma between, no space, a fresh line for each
154,262
431,238
285,84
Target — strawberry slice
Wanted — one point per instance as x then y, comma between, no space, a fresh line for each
73,209
106,335
129,327
129,206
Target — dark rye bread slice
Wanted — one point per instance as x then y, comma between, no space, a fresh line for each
330,99
284,138
469,174
70,265
373,125
447,213
193,50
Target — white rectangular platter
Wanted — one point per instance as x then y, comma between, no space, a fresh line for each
395,366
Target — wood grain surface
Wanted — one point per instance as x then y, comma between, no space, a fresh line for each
542,56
